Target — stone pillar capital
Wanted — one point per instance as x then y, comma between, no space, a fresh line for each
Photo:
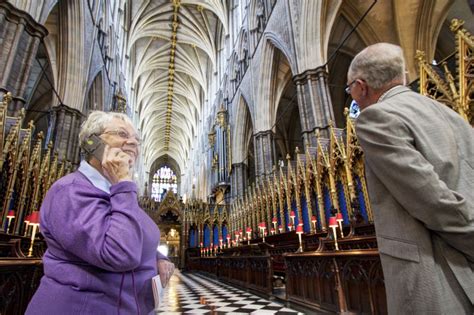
312,74
14,15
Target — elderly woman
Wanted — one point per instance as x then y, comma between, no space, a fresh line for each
102,248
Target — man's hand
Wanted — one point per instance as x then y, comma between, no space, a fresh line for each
165,270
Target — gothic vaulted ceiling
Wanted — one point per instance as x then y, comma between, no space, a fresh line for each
172,47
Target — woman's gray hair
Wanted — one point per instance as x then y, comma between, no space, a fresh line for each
96,123
378,65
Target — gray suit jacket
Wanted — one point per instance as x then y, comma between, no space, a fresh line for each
419,158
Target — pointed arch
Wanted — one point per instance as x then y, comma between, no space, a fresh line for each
95,94
243,131
268,66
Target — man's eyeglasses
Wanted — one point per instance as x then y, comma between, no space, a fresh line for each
348,87
123,134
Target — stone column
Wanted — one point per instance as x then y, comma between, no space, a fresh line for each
314,103
20,36
239,179
65,127
264,153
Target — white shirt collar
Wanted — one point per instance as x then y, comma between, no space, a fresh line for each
97,179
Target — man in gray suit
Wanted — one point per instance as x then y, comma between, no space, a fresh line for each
419,157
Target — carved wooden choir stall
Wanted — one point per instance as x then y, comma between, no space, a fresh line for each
27,169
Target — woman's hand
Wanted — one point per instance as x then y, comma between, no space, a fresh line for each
116,165
165,270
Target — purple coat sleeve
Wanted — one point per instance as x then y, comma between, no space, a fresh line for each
85,223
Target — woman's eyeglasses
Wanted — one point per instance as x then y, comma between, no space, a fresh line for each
123,134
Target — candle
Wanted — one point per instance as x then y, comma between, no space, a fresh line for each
292,216
339,220
299,231
333,226
35,222
275,222
27,222
10,217
313,221
262,229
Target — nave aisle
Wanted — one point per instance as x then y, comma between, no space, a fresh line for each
195,294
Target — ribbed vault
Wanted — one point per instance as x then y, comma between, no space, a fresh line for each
172,47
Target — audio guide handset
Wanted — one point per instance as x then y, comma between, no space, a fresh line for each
95,146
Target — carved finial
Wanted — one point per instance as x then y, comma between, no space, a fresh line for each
7,98
456,24
297,150
420,55
346,111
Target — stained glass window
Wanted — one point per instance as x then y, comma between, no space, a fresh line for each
163,181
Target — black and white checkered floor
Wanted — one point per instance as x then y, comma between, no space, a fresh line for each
196,294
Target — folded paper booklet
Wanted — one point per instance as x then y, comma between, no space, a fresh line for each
157,290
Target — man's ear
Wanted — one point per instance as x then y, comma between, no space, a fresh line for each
364,88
